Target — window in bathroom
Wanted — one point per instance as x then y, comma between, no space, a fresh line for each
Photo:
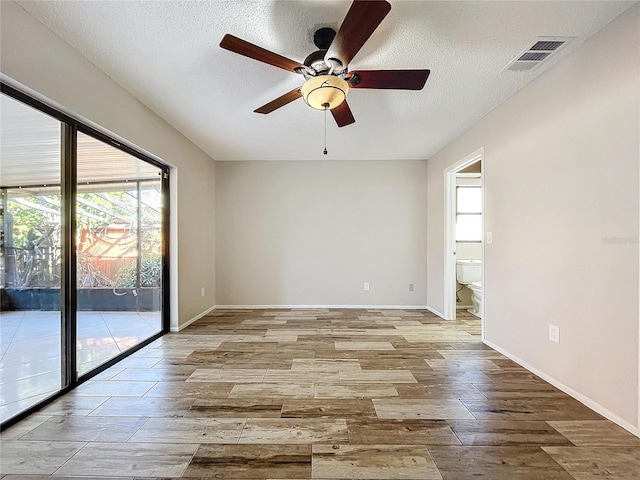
469,213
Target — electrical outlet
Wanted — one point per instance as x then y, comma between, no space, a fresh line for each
411,287
366,286
202,291
554,333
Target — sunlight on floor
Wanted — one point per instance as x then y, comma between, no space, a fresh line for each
30,350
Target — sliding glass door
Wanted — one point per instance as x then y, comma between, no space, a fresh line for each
30,322
118,251
83,252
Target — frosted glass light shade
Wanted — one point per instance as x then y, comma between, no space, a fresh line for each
324,91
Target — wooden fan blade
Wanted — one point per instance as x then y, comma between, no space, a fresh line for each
342,114
393,79
280,101
237,45
362,19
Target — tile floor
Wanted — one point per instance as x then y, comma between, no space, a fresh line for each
30,350
319,394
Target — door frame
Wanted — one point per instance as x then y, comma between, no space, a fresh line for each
450,172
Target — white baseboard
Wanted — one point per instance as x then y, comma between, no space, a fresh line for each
570,391
301,307
190,321
433,310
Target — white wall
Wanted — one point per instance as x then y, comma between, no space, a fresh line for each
561,177
311,233
36,58
468,251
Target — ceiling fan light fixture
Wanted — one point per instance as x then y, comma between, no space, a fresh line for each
324,92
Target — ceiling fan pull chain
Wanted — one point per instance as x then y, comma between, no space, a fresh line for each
325,128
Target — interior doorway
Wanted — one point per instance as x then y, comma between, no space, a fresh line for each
464,237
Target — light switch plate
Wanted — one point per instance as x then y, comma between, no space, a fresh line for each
554,333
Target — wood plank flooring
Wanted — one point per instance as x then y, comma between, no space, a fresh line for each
319,394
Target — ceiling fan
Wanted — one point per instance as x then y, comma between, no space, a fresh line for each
326,73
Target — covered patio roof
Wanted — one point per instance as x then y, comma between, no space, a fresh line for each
30,152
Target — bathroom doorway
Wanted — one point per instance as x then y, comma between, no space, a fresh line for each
464,234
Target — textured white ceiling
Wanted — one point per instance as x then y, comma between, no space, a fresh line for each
166,54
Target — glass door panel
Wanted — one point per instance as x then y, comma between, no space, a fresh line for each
119,252
30,257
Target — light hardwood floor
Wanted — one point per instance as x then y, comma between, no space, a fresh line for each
322,394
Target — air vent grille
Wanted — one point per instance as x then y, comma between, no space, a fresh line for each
549,46
533,56
540,49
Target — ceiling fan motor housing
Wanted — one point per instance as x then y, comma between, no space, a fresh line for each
316,61
317,65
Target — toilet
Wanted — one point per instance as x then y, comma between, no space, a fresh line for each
469,274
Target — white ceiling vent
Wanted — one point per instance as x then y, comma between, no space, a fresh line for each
540,50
